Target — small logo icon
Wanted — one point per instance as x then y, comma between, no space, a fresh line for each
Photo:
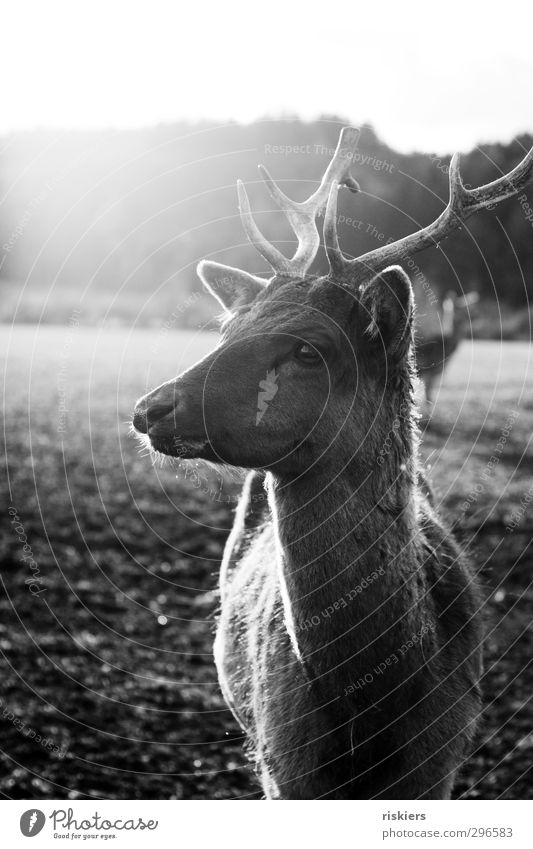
267,391
32,822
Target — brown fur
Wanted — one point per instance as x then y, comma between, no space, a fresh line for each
337,561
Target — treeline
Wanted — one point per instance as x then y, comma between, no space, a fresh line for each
115,222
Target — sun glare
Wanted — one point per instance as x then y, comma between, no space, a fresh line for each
120,65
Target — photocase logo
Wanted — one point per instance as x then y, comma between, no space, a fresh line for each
267,391
32,822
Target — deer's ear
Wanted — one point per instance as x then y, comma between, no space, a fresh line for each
231,286
387,310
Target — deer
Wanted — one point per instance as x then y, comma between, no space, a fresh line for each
433,351
349,635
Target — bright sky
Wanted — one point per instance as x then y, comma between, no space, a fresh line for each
429,76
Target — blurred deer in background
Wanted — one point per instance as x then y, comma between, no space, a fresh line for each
349,639
434,350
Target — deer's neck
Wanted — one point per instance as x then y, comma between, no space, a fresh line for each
348,551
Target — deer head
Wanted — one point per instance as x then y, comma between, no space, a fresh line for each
306,364
457,313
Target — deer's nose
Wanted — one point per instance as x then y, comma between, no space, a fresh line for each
145,414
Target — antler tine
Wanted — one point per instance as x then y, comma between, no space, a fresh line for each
274,257
301,215
338,170
337,262
463,202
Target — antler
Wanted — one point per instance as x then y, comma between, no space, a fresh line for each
301,216
463,202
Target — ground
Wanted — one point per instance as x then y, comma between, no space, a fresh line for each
106,617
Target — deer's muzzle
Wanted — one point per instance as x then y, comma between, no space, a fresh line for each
146,415
172,417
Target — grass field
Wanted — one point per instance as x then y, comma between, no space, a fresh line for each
106,617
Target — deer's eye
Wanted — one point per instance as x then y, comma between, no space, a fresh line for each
308,355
